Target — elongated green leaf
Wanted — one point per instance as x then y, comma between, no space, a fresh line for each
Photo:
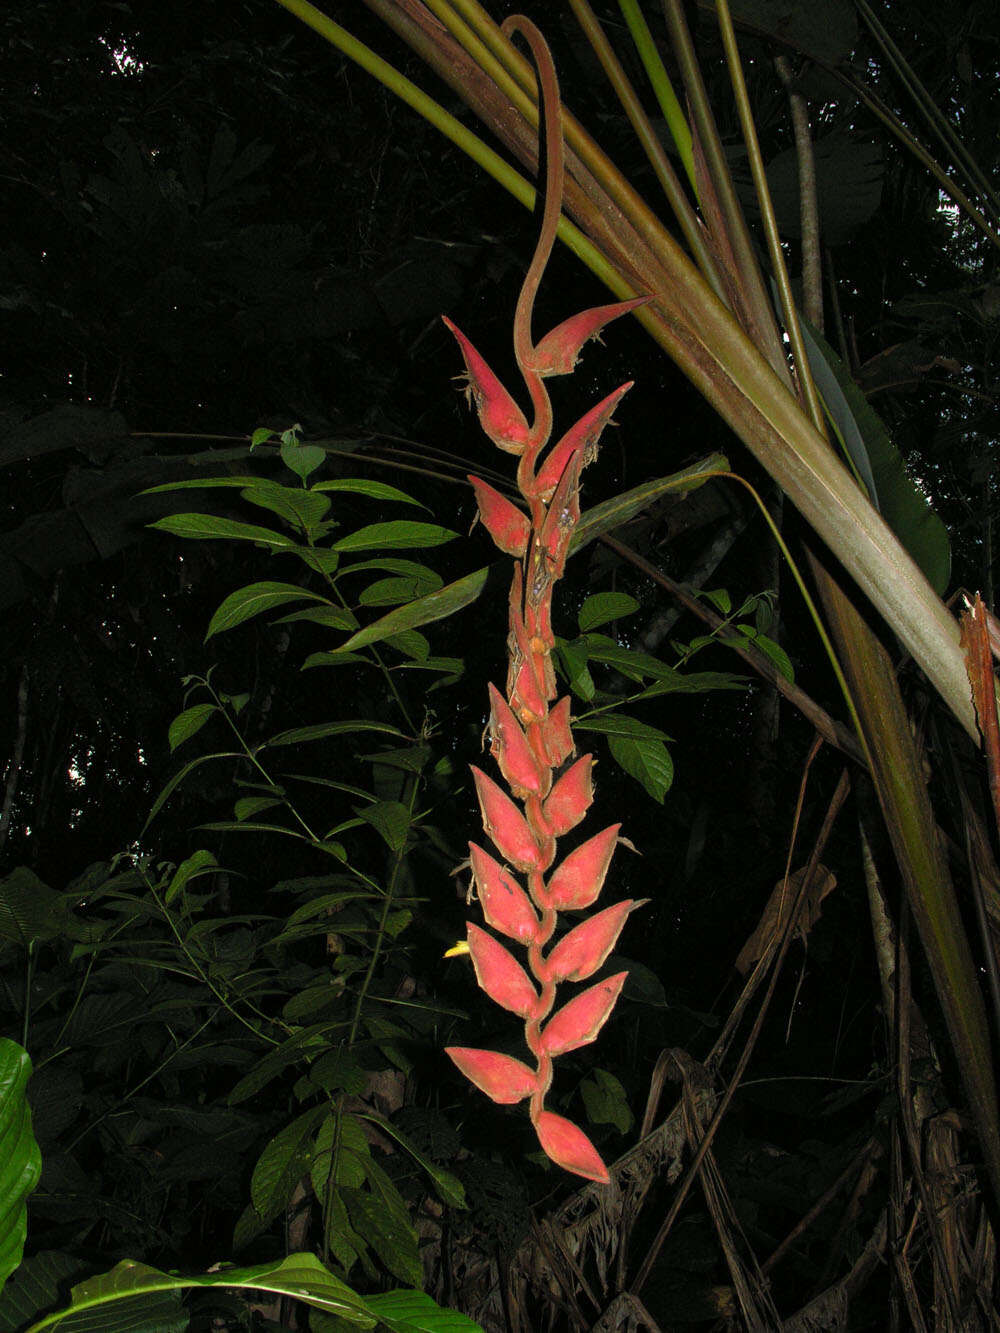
648,761
198,863
179,777
435,606
398,535
208,483
37,1286
770,649
334,617
394,591
605,606
383,1219
254,805
189,723
376,490
620,724
30,911
391,819
200,527
250,601
416,1312
449,1189
619,509
299,509
300,1276
902,504
20,1160
301,735
283,1163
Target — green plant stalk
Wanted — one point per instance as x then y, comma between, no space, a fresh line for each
659,81
687,219
390,894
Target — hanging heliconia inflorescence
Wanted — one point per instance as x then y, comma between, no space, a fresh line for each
521,893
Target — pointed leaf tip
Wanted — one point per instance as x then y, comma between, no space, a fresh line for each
505,824
558,351
500,417
506,524
503,1079
569,1147
505,904
579,878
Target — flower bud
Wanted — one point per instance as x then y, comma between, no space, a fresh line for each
505,824
586,432
571,797
511,750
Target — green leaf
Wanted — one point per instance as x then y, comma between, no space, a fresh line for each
648,761
435,606
20,1160
394,591
299,509
30,911
301,735
620,724
198,863
416,1312
254,805
391,819
200,527
399,534
411,643
770,649
694,682
574,661
334,617
38,1285
179,777
376,490
383,1219
300,1276
302,459
620,508
904,506
252,600
605,606
605,1100
353,1155
189,723
283,1162
338,1071
449,1188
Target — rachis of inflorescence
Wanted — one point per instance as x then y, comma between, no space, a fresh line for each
530,732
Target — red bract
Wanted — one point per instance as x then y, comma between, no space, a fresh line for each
530,729
576,883
501,1077
500,417
500,974
505,523
506,825
586,432
570,799
579,954
569,1147
511,750
579,1022
506,906
558,351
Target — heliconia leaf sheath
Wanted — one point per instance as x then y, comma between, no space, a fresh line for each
544,792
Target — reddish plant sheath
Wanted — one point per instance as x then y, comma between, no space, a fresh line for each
530,734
